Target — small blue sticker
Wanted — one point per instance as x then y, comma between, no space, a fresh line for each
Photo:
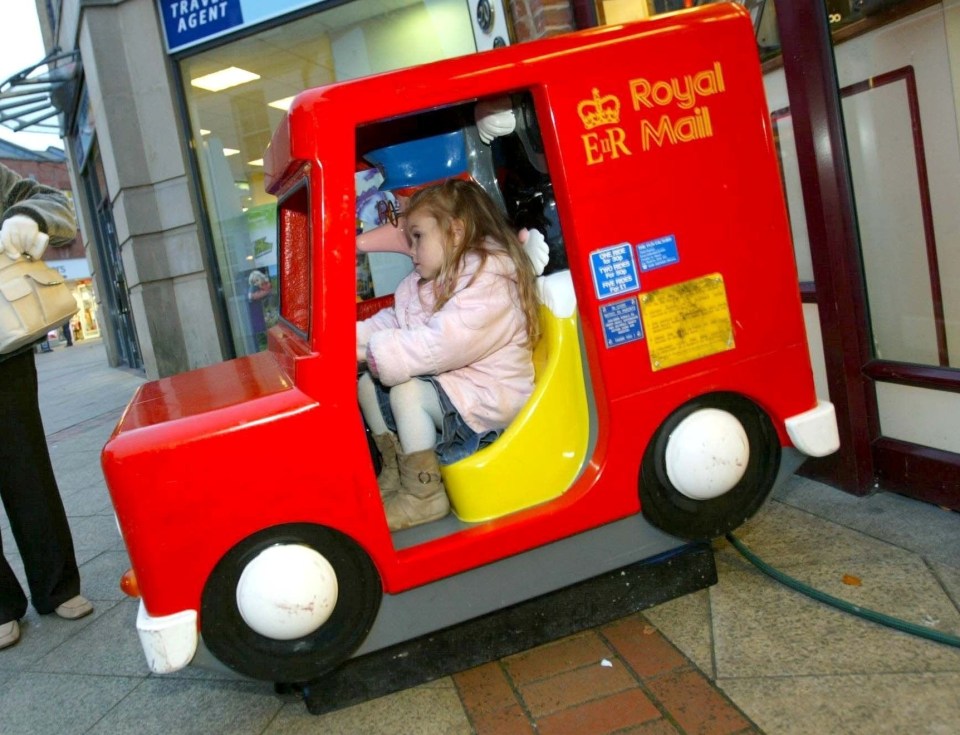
621,322
614,271
657,253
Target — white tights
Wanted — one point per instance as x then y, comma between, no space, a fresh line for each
416,409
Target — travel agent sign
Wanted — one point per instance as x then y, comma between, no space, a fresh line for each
189,22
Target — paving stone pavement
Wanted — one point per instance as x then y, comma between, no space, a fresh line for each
745,656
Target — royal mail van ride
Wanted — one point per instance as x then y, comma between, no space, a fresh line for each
673,388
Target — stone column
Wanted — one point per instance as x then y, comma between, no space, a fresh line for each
145,155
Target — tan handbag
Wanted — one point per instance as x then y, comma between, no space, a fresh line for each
34,298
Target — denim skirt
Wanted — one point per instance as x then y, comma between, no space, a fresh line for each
455,440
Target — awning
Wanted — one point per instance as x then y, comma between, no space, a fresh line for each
32,99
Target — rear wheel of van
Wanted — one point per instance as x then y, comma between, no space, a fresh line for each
709,467
289,603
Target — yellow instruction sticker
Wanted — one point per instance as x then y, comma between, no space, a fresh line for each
687,321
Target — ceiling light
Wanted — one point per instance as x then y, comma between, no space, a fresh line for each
224,79
204,132
230,151
258,162
283,104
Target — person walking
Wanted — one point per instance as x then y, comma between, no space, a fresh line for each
28,487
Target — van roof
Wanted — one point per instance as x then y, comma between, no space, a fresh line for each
336,109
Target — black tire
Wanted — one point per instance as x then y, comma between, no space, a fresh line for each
702,520
242,649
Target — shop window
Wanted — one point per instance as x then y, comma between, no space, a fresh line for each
840,14
236,96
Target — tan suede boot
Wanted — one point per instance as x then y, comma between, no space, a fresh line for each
389,477
422,496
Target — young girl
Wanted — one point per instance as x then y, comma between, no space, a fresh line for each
451,363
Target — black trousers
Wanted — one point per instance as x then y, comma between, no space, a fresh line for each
31,499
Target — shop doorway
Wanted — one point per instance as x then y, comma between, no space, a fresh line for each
874,117
115,297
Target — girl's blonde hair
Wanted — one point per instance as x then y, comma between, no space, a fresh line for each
467,202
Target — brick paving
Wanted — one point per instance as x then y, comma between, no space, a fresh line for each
620,678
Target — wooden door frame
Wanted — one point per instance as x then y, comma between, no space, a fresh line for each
866,459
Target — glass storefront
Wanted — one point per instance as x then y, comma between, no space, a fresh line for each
85,324
870,162
900,119
236,96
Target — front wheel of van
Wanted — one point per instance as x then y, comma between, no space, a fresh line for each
709,467
289,603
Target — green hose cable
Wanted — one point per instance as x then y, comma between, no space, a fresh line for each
863,612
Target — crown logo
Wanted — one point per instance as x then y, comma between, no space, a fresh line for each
599,110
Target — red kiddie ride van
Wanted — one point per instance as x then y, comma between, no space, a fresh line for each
674,384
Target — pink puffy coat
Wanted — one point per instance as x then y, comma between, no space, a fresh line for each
475,344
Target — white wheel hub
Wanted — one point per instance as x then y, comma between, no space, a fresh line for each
287,592
707,454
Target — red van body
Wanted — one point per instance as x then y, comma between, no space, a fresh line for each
664,171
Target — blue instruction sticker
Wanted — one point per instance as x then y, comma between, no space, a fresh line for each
657,253
614,271
621,322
